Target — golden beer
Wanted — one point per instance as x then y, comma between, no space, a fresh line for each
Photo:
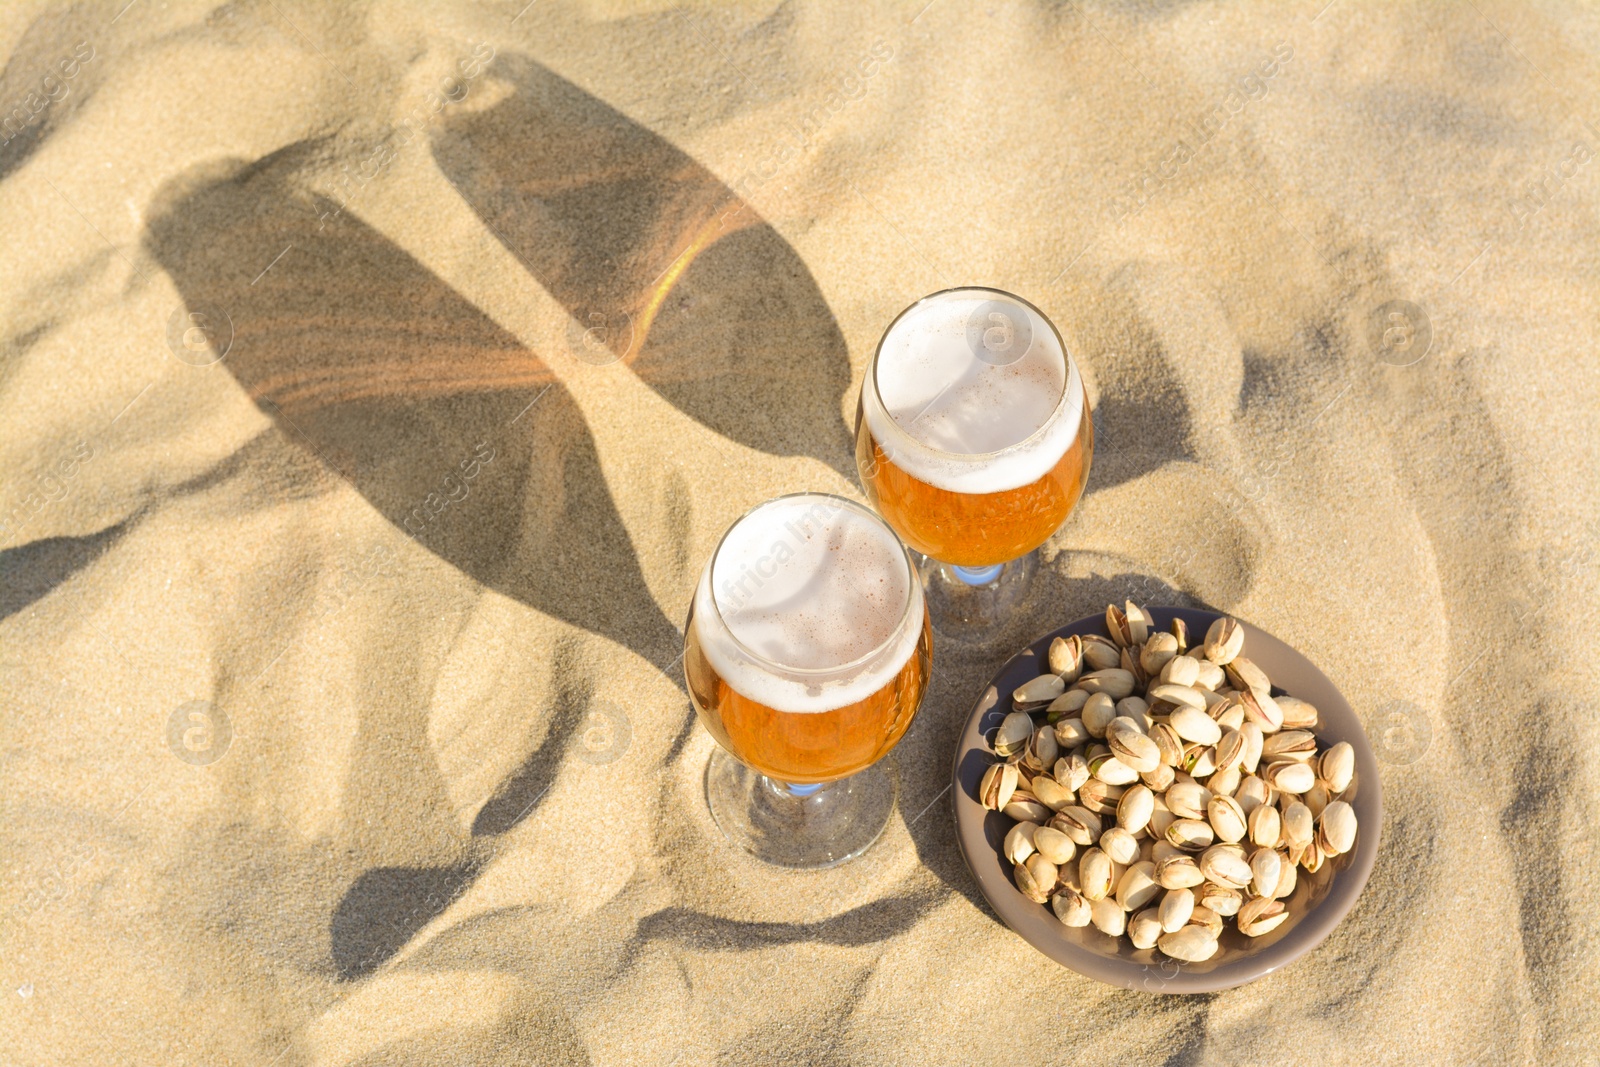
973,437
807,746
807,648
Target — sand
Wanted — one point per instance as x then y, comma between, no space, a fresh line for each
342,722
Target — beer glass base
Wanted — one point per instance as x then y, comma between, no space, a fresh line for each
973,605
801,827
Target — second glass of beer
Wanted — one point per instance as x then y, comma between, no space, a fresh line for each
806,654
973,440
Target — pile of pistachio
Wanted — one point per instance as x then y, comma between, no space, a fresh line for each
1159,789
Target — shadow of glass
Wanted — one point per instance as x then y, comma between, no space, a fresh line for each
385,908
660,264
448,425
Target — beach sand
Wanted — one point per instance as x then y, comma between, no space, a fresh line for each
342,715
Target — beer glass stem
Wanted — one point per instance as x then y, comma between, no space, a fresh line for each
978,575
799,826
977,605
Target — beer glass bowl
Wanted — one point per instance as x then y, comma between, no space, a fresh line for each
807,652
1316,906
973,441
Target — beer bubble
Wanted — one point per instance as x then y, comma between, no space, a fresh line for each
1399,333
199,336
199,733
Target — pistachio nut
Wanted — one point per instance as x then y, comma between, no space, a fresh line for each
1297,714
1018,844
1160,819
1336,832
1178,872
1025,807
1187,800
1254,741
1052,844
1180,630
1262,710
1013,734
1136,710
1078,823
1205,917
1114,682
1051,793
1066,706
1298,745
1160,648
1138,803
1100,653
1070,733
1289,776
999,782
1219,900
1181,671
1138,886
1111,770
1132,747
1266,827
1224,640
1036,878
1130,663
1316,798
1120,845
1038,691
1225,868
1199,760
1194,725
1098,712
1168,741
1108,917
1070,907
1100,796
1230,748
1266,867
1066,658
1252,793
1226,818
1176,907
1337,766
1261,916
1159,779
1225,782
1192,944
1297,827
1246,676
1179,696
1191,835
1042,749
1071,770
1094,874
1144,928
1286,876
1229,716
1128,625
1312,858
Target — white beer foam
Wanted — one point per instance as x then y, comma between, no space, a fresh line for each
967,420
810,583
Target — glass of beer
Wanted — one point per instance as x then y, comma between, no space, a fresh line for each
973,440
806,652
